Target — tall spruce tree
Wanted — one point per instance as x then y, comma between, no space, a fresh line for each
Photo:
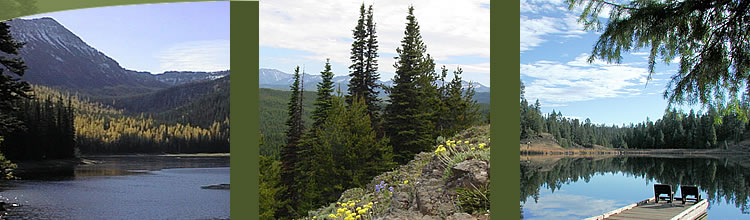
289,153
364,67
12,89
408,117
323,101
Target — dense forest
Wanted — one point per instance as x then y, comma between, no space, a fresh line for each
100,129
335,140
273,112
272,107
714,128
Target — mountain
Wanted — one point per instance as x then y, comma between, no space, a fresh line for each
276,79
58,58
167,99
181,77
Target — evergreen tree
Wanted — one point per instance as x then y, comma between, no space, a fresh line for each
709,37
289,153
323,100
408,116
12,88
369,154
364,67
269,187
457,109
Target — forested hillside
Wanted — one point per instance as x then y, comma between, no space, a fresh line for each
167,99
273,114
102,129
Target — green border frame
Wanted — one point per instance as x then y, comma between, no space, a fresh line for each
244,99
244,110
504,49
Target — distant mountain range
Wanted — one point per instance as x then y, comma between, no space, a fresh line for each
58,58
276,79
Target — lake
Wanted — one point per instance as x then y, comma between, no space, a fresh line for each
124,187
581,187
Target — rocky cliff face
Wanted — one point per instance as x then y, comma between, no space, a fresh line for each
445,184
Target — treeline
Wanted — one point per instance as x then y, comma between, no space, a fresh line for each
356,136
713,129
47,130
100,129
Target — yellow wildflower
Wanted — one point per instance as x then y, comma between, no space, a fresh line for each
466,142
406,181
332,216
473,148
482,145
361,211
358,216
358,208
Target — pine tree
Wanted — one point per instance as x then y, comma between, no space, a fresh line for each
289,153
708,37
12,89
370,155
323,101
408,116
357,85
363,71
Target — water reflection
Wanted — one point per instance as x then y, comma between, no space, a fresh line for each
722,180
112,166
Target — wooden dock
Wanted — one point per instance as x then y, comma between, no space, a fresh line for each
648,209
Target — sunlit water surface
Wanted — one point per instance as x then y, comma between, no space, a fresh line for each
126,188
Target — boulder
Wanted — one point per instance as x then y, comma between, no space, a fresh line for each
470,172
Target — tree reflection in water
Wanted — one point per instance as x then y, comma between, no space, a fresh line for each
721,179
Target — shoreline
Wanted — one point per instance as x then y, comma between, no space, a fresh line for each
631,152
158,155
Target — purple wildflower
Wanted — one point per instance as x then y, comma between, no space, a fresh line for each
391,188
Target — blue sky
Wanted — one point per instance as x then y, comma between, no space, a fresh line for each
553,53
155,37
307,32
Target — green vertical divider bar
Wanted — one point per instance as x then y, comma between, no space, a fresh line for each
504,18
244,109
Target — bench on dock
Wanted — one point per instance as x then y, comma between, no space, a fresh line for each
661,189
686,191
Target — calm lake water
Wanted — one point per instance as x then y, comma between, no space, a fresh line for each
128,187
576,188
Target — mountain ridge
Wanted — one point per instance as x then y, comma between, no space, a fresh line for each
58,58
277,79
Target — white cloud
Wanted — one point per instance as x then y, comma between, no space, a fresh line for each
323,28
211,55
567,206
537,24
534,30
577,80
